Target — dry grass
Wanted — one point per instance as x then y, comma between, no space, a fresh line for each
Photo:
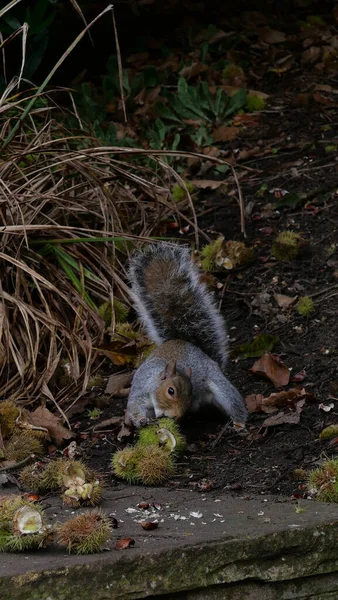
70,213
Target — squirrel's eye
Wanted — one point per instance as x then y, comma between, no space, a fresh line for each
171,391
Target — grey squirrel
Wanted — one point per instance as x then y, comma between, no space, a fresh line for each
185,371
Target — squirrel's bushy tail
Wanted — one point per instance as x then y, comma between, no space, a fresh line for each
172,301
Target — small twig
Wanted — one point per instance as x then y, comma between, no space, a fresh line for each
119,64
2,445
106,423
19,464
321,292
240,202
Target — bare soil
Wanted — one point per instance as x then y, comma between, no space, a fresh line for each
265,461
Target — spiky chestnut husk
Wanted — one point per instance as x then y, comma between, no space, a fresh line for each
8,506
175,430
255,103
323,482
81,486
121,311
18,534
21,445
237,253
179,193
286,245
151,436
234,75
42,477
329,432
32,478
85,534
305,306
211,254
9,412
124,464
154,465
89,494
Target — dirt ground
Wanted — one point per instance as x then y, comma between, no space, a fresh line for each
265,460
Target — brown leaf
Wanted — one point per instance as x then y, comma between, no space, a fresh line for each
285,417
272,36
42,417
321,99
192,70
225,134
117,382
254,402
119,352
149,525
284,301
270,367
204,184
311,55
143,505
125,543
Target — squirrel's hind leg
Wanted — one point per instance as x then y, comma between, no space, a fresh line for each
222,394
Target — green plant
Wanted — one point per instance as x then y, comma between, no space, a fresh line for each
197,102
94,413
305,306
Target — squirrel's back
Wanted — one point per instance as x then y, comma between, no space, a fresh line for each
173,302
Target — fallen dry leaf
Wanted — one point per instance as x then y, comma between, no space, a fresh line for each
285,417
125,543
149,525
257,403
143,505
284,301
192,70
117,382
225,134
119,353
272,36
42,417
247,120
254,402
270,367
204,184
311,55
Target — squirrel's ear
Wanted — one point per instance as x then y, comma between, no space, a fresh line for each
188,372
169,370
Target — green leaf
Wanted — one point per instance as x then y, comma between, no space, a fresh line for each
37,49
261,344
188,97
176,141
166,113
290,201
70,260
76,283
236,102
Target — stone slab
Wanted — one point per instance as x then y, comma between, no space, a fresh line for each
205,544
